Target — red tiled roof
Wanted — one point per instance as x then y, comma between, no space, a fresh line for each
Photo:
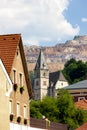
82,104
83,127
8,46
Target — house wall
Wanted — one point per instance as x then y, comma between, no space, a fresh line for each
4,102
78,94
61,84
17,97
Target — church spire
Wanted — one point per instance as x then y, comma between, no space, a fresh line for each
41,62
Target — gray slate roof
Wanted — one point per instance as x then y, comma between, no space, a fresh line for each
41,62
55,76
79,85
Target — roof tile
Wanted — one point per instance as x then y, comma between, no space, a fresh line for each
81,104
8,46
83,127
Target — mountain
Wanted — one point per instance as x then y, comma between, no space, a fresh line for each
56,56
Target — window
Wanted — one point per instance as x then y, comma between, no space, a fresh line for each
25,111
18,109
44,74
10,106
81,98
21,79
62,84
44,82
37,83
14,76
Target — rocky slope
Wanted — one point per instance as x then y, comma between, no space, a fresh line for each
57,55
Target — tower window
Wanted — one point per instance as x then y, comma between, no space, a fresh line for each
44,74
44,82
62,84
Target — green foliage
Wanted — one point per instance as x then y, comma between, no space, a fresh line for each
50,109
60,109
75,71
45,107
66,108
35,109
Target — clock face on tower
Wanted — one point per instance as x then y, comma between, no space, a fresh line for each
44,65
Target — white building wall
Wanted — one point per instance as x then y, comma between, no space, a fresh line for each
61,84
22,127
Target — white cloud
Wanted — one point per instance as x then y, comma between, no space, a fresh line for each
84,19
37,20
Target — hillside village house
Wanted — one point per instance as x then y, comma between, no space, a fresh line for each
5,90
15,86
78,90
46,83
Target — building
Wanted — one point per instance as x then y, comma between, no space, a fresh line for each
78,90
46,83
13,58
5,90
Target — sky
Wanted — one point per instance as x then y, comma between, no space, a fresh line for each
44,22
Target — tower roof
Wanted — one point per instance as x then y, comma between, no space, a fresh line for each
41,62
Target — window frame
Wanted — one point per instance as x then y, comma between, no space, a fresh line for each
10,106
14,75
21,79
18,109
81,98
25,111
44,83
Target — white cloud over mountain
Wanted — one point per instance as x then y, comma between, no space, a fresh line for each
37,20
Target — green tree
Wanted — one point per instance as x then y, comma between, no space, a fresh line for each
50,110
66,108
46,107
35,109
75,71
60,109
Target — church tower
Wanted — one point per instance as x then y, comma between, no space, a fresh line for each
41,77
